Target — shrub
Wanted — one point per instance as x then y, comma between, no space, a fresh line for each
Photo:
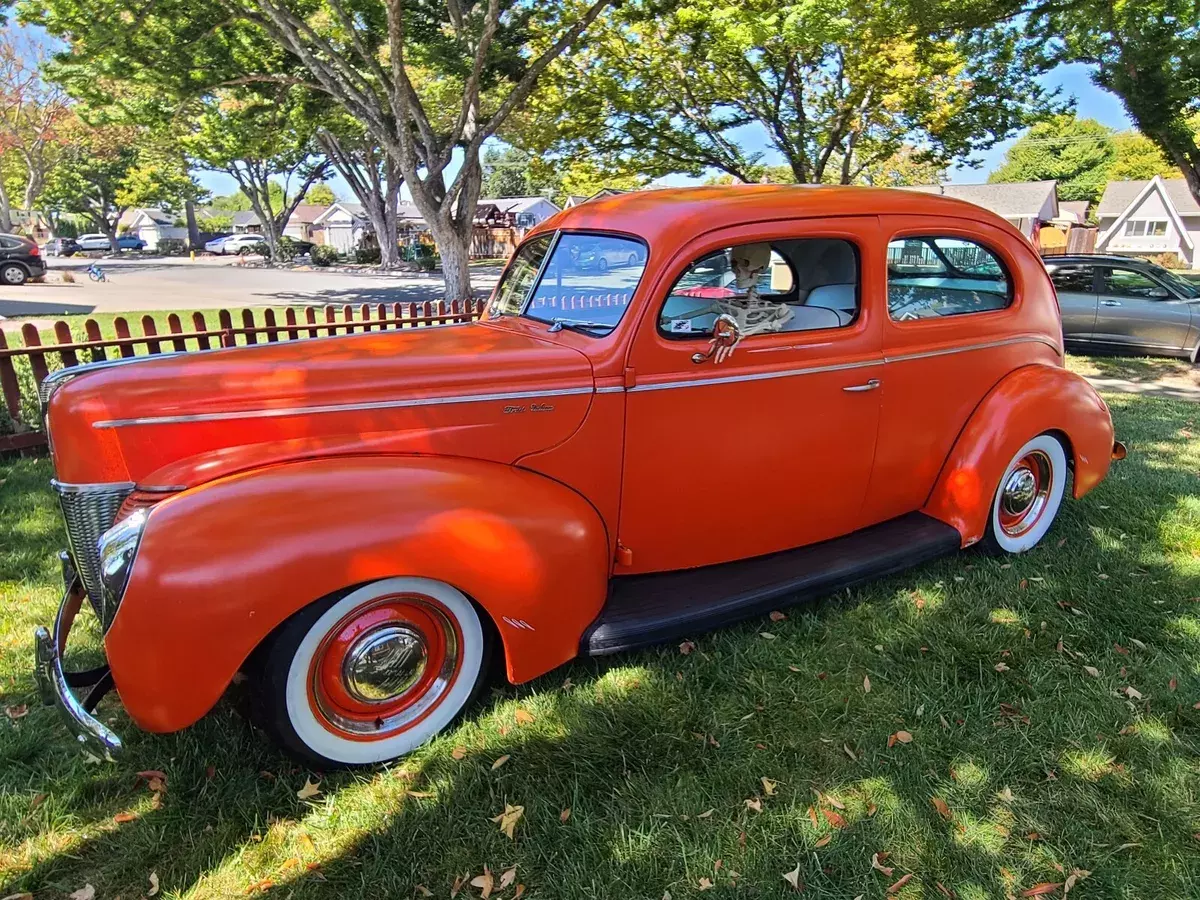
1167,260
67,277
286,250
367,255
172,246
323,255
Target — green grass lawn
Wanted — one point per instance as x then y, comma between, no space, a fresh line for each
644,774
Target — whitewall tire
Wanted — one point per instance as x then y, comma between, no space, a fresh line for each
369,675
1028,496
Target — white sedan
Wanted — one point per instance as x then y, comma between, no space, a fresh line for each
93,241
235,243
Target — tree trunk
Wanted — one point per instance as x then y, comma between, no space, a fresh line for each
455,252
110,228
189,210
5,210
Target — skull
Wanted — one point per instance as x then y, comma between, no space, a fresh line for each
748,262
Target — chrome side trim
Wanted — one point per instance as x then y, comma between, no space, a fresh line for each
1025,339
338,407
617,389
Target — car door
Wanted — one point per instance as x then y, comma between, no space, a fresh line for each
1075,285
770,448
1136,312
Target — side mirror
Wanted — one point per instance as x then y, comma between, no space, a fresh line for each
726,334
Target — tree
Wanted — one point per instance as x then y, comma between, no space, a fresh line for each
429,82
1077,153
260,141
107,169
833,87
1139,159
320,195
506,173
374,178
31,113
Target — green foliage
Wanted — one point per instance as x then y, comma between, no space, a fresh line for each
323,255
1139,159
1077,153
367,255
239,202
834,88
320,195
506,173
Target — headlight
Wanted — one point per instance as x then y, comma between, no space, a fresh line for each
118,548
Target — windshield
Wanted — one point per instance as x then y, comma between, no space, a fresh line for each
1182,286
586,283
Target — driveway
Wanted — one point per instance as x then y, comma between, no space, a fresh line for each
210,283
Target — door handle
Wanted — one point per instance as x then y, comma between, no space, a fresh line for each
1110,302
858,388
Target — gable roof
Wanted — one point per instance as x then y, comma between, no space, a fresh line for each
306,213
1009,200
354,209
1119,195
245,217
515,204
1074,209
1159,184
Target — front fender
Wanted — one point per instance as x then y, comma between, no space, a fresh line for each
223,564
1027,402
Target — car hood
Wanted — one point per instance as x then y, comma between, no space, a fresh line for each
170,422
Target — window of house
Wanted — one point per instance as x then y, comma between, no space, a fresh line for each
1077,279
1145,228
930,277
777,286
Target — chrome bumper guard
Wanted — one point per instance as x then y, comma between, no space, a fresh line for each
54,683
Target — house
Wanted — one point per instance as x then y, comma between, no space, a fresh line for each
518,212
1159,216
1023,204
341,226
154,226
245,221
300,224
1073,212
603,192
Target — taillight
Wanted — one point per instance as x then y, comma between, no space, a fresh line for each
34,251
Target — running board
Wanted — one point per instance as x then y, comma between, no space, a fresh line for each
651,609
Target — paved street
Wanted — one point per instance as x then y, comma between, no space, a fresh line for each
209,283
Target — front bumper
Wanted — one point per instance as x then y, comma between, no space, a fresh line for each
54,683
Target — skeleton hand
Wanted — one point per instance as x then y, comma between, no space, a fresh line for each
723,352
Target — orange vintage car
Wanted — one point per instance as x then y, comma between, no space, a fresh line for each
680,409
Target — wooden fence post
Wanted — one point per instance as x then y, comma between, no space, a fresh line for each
121,326
176,327
248,325
8,382
199,324
92,328
37,361
289,316
269,322
62,334
149,330
228,338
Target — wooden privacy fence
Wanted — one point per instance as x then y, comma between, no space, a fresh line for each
23,368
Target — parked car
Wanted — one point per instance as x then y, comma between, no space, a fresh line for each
93,241
62,246
237,243
599,255
20,259
1125,304
130,242
598,465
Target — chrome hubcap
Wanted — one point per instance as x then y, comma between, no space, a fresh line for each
1026,493
12,275
384,663
1019,491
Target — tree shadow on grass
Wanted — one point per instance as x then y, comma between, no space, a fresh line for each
1042,766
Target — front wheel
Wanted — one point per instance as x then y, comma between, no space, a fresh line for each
13,274
370,675
1028,496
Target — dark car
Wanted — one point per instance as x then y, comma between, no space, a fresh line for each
1122,303
20,259
63,246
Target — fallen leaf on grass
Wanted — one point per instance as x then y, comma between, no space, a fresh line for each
153,884
1000,667
122,818
306,842
1046,887
904,879
705,884
1172,684
1137,643
777,616
768,786
265,885
1076,875
459,752
686,647
1092,670
524,717
564,815
459,880
755,804
823,841
866,684
877,863
1126,847
508,877
509,818
707,813
519,892
422,890
834,819
501,761
25,895
940,805
902,737
1122,650
793,878
17,712
419,795
484,882
310,789
87,892
1132,693
766,635
849,752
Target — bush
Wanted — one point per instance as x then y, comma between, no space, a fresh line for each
172,246
323,255
1168,260
367,255
286,250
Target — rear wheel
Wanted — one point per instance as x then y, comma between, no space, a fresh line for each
13,274
367,676
1028,496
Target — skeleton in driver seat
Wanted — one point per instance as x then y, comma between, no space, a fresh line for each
753,314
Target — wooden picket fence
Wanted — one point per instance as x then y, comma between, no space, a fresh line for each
20,397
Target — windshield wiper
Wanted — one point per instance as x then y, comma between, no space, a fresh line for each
558,323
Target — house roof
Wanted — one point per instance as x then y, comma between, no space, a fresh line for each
1119,194
1011,200
157,216
245,217
515,204
1157,183
354,209
1074,209
307,213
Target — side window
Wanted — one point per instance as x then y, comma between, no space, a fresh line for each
1127,283
781,286
1076,279
8,243
933,276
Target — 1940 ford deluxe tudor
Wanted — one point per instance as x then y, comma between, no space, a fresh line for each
679,407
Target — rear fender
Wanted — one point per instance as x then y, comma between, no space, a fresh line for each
223,564
1027,402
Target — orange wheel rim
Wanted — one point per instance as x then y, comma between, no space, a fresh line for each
1025,493
384,667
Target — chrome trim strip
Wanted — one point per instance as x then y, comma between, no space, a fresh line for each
814,370
618,389
65,488
341,407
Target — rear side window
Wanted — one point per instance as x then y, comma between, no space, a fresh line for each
933,277
1077,279
9,243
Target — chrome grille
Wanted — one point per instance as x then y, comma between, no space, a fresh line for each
89,510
